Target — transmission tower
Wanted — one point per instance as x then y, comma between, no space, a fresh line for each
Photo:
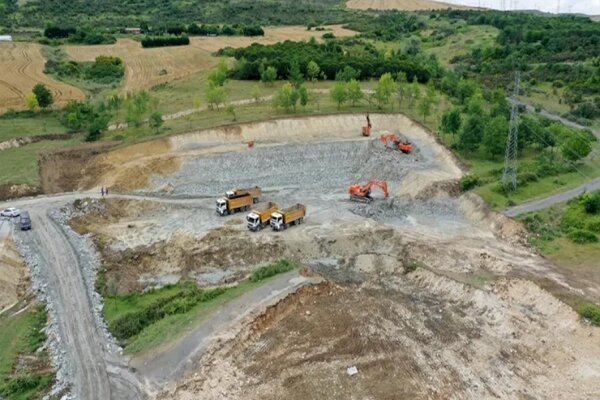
509,174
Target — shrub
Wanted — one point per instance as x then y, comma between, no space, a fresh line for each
328,35
162,41
591,203
526,177
581,236
273,269
105,69
591,312
469,182
593,225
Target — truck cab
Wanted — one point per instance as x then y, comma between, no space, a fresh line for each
222,207
254,222
276,221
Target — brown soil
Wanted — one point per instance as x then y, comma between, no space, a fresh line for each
14,275
66,170
9,191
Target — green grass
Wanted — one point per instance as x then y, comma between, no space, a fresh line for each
467,38
20,165
543,94
175,325
21,335
41,124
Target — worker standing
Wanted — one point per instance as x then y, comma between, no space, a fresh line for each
102,191
368,121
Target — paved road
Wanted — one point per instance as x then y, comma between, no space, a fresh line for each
553,117
551,200
172,362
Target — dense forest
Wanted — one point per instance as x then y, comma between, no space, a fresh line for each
119,13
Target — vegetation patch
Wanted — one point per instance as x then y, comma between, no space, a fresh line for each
140,320
591,312
20,338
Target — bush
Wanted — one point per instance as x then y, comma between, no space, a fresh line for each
105,69
526,177
591,312
273,269
469,182
581,236
55,32
328,35
591,203
162,41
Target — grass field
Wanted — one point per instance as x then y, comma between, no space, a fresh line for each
40,124
467,38
146,68
22,66
19,335
20,165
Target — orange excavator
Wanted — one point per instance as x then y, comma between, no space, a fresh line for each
393,141
362,193
366,130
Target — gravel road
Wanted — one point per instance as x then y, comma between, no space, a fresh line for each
171,363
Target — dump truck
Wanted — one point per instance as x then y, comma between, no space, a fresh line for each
231,204
255,192
294,215
260,218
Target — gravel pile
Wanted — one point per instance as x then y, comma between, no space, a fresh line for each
320,165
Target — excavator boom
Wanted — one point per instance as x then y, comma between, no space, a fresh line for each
362,193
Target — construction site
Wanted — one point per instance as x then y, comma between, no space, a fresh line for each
406,288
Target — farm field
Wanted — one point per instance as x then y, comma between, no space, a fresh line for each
22,66
409,5
149,67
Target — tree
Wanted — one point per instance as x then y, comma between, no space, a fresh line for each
475,103
384,90
451,121
231,110
472,133
268,75
218,75
44,96
32,102
304,96
354,92
313,71
286,97
413,47
401,81
494,136
136,105
575,148
215,95
428,102
256,93
339,94
295,76
155,121
347,74
413,93
98,125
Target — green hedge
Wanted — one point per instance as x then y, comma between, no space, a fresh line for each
273,269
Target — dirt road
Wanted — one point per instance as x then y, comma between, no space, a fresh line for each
171,363
95,366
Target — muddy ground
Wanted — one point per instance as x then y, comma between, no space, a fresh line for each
427,293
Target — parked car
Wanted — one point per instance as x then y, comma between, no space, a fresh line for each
25,221
10,212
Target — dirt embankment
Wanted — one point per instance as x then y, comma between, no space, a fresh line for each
14,276
68,170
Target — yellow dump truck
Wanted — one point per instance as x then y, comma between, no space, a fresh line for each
229,205
259,218
255,192
294,215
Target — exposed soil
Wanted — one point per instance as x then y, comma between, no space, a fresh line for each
10,191
14,276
